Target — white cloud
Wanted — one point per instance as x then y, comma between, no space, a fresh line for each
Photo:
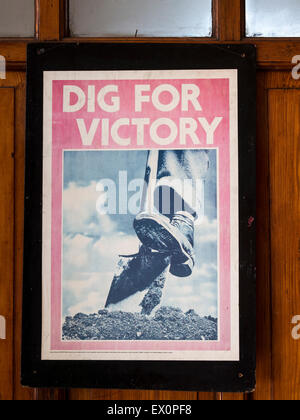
205,271
198,292
80,213
117,244
207,231
88,292
76,251
89,305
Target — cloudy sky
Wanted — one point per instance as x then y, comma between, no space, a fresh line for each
93,242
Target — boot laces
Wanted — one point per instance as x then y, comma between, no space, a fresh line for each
179,219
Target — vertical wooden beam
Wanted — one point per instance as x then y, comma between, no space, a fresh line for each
6,241
18,80
264,312
50,19
230,22
284,123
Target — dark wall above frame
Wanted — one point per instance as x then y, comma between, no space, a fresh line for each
195,105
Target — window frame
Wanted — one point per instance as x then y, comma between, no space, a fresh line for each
229,27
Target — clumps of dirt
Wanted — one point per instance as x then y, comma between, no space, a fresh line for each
167,324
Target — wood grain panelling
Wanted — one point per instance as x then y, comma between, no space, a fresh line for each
14,52
17,81
6,240
85,394
50,394
229,14
284,123
49,19
264,329
233,397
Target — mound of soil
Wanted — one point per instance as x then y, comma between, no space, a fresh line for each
168,324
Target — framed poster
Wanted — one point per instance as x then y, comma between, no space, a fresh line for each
139,258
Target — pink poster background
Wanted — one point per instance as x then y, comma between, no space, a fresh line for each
215,102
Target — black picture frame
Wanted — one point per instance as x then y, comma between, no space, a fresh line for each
194,376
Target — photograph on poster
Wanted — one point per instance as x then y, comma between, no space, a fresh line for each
101,228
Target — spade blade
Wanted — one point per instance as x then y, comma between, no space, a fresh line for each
136,274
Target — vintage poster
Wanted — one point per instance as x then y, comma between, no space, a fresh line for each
140,216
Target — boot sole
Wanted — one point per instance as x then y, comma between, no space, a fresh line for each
182,270
158,236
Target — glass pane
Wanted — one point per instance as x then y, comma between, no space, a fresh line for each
17,18
141,18
273,18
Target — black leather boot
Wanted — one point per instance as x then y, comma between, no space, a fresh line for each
175,237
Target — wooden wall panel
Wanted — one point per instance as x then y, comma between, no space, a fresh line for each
16,80
86,394
233,397
284,125
264,328
93,394
6,240
208,396
19,81
52,394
